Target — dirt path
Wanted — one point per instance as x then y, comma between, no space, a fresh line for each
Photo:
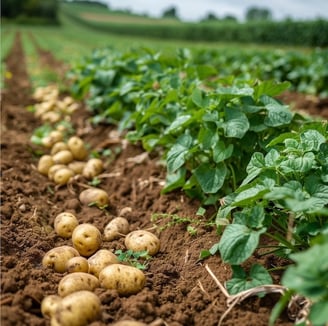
179,291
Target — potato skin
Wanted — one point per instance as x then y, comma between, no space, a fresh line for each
86,239
141,240
45,163
93,168
49,305
117,226
58,147
77,264
62,176
53,169
78,281
128,323
100,260
65,223
77,309
94,195
56,258
77,148
122,278
63,157
77,166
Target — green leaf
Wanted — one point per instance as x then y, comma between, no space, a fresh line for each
174,180
309,277
178,123
220,152
238,242
240,281
197,97
270,88
278,115
319,313
176,156
311,140
210,178
236,123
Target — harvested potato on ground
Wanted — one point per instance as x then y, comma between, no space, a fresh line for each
49,305
45,163
62,176
100,260
54,169
141,240
57,258
78,281
77,264
122,278
65,223
94,196
93,167
63,157
58,147
77,166
77,148
115,228
128,323
86,239
55,136
77,309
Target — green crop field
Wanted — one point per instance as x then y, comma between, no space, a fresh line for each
209,111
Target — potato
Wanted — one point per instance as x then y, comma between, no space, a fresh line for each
77,309
86,239
55,136
45,163
129,323
116,227
65,223
51,117
63,157
141,240
93,168
94,196
49,305
77,148
122,278
58,147
77,264
62,176
77,282
77,166
56,258
100,260
53,169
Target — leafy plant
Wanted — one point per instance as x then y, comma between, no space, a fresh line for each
138,259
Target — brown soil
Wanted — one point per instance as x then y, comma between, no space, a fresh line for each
179,290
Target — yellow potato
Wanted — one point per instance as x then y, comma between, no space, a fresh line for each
65,223
53,169
77,166
86,239
63,157
49,305
129,323
78,281
93,168
77,309
77,148
77,264
122,278
56,258
62,176
50,117
55,136
94,196
100,260
45,163
115,228
58,147
141,240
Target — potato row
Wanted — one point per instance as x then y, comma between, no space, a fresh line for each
50,108
88,266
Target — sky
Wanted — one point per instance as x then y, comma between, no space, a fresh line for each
194,10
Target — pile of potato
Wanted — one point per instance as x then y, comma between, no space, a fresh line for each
88,266
50,108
